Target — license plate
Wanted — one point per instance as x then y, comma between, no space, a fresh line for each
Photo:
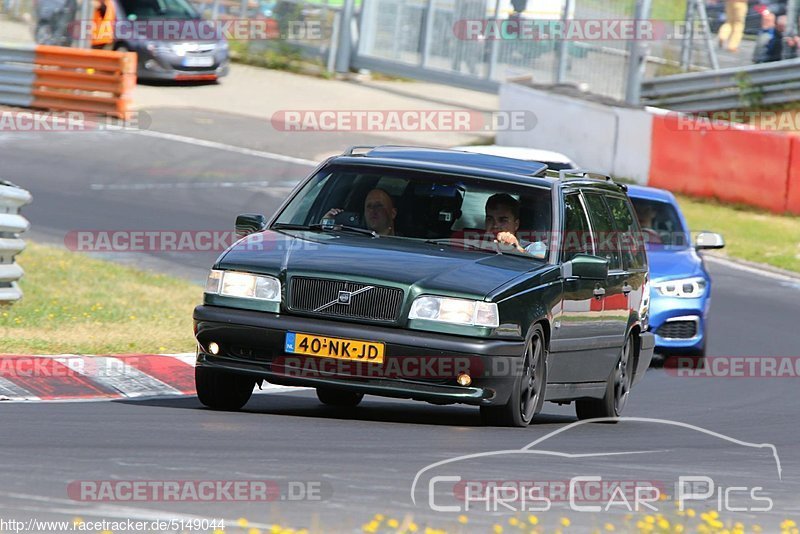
331,347
198,61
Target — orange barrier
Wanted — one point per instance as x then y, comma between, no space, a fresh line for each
730,164
77,79
793,183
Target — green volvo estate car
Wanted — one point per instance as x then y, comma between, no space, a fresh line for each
434,275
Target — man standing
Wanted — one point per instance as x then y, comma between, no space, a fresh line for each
733,29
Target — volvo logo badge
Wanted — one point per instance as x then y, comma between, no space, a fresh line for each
345,298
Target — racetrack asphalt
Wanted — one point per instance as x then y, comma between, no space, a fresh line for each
365,460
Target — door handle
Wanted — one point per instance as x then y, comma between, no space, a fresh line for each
599,292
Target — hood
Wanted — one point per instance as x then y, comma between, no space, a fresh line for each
395,262
666,264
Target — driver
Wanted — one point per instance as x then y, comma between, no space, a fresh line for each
502,220
379,212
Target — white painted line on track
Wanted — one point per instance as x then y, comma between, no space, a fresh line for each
222,146
176,185
753,270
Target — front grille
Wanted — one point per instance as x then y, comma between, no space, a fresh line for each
678,330
378,304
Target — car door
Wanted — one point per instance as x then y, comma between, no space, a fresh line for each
578,329
634,258
611,328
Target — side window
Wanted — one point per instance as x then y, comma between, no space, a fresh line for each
576,229
633,255
605,240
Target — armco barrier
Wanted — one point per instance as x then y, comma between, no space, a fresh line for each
793,183
67,79
12,224
734,164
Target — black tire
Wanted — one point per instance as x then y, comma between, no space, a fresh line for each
618,388
337,397
528,391
221,390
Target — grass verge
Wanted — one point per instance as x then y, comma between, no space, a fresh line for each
76,304
750,234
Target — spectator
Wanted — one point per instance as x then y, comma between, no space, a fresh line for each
769,42
105,17
733,30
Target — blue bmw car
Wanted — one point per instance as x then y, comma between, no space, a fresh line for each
680,286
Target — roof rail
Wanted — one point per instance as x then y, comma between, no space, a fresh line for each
358,148
577,174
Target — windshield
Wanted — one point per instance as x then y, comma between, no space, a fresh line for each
661,225
464,212
158,9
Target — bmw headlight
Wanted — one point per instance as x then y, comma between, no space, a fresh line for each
685,288
455,311
243,285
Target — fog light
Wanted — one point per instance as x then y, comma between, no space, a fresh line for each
213,348
464,379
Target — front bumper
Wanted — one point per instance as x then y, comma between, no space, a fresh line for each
666,309
167,66
417,365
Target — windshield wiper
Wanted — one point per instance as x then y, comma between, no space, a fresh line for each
317,227
459,243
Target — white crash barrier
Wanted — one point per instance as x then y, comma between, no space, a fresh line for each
615,140
12,224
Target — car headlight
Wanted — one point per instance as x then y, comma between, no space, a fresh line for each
455,311
685,288
243,285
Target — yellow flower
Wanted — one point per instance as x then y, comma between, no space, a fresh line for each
650,519
565,522
393,523
242,522
757,528
220,531
690,512
412,527
497,529
254,531
678,529
533,520
513,521
788,524
609,527
379,517
663,524
463,519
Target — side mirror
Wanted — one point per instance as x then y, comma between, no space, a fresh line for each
586,266
708,240
249,223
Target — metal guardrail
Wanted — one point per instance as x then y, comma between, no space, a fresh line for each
12,224
765,83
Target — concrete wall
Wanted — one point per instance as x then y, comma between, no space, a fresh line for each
601,138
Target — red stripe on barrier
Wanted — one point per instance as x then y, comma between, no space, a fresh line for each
167,369
49,379
793,187
730,164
